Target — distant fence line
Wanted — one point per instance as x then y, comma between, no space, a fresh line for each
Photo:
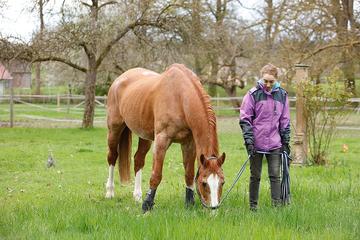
101,100
82,97
54,110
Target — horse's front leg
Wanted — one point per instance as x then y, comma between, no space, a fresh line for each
161,143
189,154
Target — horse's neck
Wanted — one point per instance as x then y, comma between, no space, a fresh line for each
205,140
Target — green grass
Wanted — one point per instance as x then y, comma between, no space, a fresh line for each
45,90
67,202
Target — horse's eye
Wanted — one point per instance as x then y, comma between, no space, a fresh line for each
204,184
222,184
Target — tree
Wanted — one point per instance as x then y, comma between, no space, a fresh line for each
343,13
94,37
40,4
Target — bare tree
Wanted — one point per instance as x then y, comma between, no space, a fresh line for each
39,5
274,14
196,34
88,35
343,13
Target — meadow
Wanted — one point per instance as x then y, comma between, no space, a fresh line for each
67,201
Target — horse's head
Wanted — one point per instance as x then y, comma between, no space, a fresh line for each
210,180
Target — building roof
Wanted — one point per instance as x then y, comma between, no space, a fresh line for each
4,73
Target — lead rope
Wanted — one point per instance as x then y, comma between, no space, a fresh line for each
227,193
242,169
285,182
285,178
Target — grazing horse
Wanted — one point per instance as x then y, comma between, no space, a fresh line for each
164,108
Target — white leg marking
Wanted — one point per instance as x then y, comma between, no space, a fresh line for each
191,187
213,181
110,183
137,188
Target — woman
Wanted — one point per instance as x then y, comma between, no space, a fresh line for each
265,122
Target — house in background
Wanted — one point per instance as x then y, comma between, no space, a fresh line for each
18,71
4,79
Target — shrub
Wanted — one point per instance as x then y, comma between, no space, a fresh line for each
325,108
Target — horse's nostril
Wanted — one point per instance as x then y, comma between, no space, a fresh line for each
204,184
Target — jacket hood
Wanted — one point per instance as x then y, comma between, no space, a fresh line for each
260,84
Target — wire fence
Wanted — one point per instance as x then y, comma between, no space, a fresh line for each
67,110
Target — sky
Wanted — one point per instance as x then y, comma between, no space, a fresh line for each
17,20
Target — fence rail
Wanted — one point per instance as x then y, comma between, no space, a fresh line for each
104,98
61,109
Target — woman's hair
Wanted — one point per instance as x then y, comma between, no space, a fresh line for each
269,69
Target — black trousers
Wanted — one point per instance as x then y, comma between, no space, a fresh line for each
274,162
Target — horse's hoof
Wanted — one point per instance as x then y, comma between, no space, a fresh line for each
189,204
110,189
137,196
147,206
189,198
109,195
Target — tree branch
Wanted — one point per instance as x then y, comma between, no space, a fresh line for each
107,3
62,60
306,57
121,34
86,4
86,49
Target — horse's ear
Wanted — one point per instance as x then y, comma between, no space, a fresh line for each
221,159
202,159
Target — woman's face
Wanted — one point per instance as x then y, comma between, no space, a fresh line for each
268,84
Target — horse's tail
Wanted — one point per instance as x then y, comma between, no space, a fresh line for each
124,155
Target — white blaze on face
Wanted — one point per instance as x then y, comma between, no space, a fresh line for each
213,180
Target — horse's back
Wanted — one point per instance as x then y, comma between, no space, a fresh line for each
130,100
149,102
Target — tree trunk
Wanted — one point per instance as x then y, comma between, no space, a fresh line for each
213,76
231,92
41,4
90,83
349,72
37,78
343,11
269,24
196,33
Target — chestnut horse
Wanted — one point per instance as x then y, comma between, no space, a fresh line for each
164,108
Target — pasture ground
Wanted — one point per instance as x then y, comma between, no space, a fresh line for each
67,202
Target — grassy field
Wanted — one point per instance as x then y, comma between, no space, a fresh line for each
67,202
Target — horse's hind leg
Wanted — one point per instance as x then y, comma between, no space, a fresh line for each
114,134
143,148
189,154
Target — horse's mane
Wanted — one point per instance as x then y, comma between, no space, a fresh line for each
205,100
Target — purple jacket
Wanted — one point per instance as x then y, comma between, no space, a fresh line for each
265,117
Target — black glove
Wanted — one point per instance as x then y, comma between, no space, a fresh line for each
286,148
250,149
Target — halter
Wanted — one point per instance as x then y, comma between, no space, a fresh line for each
197,189
285,183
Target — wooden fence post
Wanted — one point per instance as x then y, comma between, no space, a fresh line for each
11,83
217,104
58,101
300,137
